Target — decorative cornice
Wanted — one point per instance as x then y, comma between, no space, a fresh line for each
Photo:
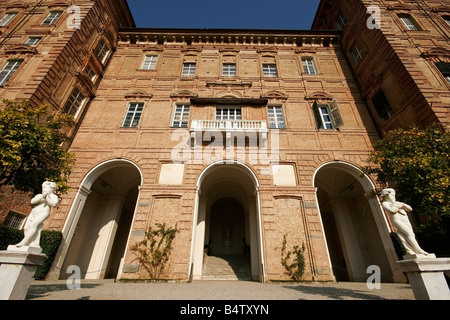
399,6
436,52
21,49
139,94
441,8
152,48
229,101
184,94
275,95
226,84
319,96
17,4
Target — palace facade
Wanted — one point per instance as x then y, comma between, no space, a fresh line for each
239,138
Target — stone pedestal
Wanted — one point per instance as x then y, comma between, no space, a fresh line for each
426,276
17,268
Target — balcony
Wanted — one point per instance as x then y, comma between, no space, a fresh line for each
229,125
249,128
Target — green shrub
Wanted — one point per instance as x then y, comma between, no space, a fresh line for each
296,268
50,241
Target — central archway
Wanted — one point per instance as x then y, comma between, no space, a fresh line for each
227,219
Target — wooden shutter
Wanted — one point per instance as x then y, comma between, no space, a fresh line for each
336,117
317,115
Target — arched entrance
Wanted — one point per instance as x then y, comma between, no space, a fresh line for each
100,219
227,223
355,227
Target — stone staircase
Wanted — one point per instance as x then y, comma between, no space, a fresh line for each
226,267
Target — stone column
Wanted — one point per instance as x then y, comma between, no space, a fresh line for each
17,269
426,276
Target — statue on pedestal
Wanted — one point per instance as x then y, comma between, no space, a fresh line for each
398,212
41,204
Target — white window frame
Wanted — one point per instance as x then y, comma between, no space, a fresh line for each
8,70
270,70
15,220
229,69
276,117
149,62
102,50
357,54
228,113
7,18
33,41
327,115
409,22
51,18
90,73
74,103
309,66
189,69
181,116
133,115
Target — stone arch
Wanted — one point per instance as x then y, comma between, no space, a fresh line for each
98,224
225,183
355,227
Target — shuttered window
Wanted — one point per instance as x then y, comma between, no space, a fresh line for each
328,116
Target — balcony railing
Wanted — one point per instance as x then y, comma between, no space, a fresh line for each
229,125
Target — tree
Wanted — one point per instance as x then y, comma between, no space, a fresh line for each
31,147
415,162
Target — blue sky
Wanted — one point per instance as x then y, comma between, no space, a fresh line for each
224,14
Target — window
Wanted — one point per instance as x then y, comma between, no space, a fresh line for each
7,18
14,220
276,117
328,116
340,21
447,19
8,70
181,116
188,69
102,50
270,70
74,102
229,70
33,41
309,66
381,105
133,115
228,113
408,22
444,68
356,54
149,62
52,17
90,73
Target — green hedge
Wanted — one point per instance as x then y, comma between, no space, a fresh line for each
50,241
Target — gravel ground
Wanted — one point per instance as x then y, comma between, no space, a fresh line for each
216,290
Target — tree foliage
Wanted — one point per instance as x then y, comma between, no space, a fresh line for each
415,162
31,147
153,252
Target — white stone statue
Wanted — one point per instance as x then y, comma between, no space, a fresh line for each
41,204
398,212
